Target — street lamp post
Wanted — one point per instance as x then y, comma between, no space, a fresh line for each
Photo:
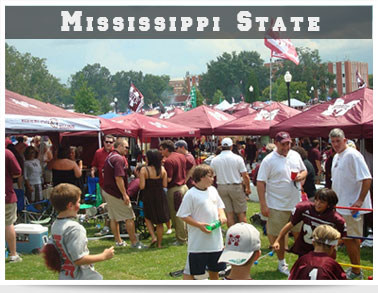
287,78
115,100
251,91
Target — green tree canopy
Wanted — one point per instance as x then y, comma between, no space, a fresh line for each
218,97
230,74
28,75
85,101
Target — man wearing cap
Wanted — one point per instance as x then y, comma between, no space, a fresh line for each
242,249
351,180
176,165
231,173
279,190
182,148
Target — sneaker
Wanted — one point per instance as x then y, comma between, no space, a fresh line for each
15,258
353,276
104,231
169,231
121,244
284,269
139,245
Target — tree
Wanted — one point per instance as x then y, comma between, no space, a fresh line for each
253,84
279,91
218,97
28,75
200,98
85,101
311,70
371,81
230,72
99,79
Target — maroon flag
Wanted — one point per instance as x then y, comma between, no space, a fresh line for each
281,48
136,99
360,82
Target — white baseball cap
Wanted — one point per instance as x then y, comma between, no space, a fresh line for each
242,241
227,142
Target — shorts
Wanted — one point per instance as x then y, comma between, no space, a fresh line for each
277,219
117,209
198,262
233,197
354,228
10,213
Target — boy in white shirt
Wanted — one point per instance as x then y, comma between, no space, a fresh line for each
202,206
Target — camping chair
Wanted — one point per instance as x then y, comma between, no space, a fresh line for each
92,203
40,212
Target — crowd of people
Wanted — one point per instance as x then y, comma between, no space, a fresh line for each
197,196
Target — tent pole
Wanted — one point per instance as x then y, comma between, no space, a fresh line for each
99,140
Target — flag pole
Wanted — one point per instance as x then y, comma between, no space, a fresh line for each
270,90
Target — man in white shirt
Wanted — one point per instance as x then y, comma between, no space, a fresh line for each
279,190
231,173
351,180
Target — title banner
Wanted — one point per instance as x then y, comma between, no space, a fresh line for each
187,22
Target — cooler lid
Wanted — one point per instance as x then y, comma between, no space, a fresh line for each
30,228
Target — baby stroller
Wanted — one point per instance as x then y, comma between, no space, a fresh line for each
40,212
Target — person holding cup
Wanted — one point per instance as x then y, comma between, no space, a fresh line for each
278,188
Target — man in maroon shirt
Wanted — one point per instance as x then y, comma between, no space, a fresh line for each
315,157
115,186
98,165
182,148
176,165
12,170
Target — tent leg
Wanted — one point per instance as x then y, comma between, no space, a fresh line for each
99,140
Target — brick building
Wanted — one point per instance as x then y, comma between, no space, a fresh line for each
345,71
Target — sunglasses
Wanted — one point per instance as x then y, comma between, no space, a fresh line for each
108,141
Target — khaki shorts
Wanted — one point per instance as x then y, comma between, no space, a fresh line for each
117,209
354,228
233,197
10,213
277,219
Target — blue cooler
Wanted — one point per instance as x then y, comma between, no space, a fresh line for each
30,238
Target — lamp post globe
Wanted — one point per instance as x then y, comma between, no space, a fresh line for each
287,78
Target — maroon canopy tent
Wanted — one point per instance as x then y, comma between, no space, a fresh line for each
154,127
259,122
168,114
204,118
353,113
240,110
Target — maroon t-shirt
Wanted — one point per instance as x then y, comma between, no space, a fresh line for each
305,211
133,189
115,166
316,266
190,162
314,154
176,166
98,162
12,168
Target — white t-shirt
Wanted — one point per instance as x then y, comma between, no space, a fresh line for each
348,170
275,171
33,171
202,206
228,167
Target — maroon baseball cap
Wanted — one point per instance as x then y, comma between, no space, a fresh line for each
283,137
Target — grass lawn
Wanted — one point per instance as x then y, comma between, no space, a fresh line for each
156,264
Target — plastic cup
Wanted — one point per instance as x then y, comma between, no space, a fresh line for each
294,174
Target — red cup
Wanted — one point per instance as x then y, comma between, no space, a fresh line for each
294,175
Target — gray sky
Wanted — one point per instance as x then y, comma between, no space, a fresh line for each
170,57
